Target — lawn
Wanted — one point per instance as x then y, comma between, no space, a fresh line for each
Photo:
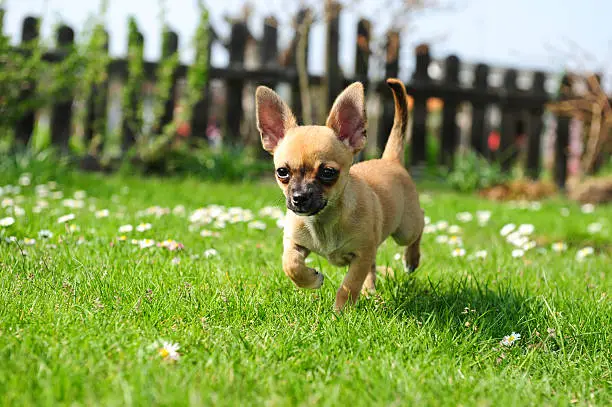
84,306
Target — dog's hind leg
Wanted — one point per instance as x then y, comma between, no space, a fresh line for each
412,256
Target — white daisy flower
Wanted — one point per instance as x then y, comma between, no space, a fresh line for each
584,252
256,224
594,228
483,217
429,229
535,206
143,227
481,254
66,218
529,245
505,231
168,351
80,195
146,243
7,202
455,241
126,228
565,212
29,242
559,247
587,208
210,253
280,223
103,213
427,220
510,339
441,225
458,252
18,211
209,233
25,180
526,229
454,229
45,234
176,260
465,217
516,253
73,228
442,239
57,195
397,256
73,203
178,210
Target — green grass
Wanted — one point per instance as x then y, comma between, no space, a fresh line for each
79,311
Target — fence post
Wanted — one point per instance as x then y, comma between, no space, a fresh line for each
333,80
536,124
449,112
296,94
480,84
508,121
237,46
97,105
170,43
391,71
419,113
132,114
25,124
362,53
268,48
563,132
61,111
199,113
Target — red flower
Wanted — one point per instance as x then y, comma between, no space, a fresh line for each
494,140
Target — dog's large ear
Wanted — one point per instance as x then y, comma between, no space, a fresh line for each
348,118
274,118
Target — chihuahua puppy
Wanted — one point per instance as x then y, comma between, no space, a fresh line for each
335,209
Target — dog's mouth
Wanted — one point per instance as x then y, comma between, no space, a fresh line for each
308,212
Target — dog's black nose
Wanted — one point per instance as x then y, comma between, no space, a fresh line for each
299,198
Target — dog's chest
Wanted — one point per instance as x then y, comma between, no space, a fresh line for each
328,241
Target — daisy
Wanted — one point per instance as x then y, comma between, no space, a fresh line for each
102,213
256,224
45,234
126,228
442,239
587,208
507,229
210,253
535,206
481,254
526,229
529,245
594,228
454,229
458,252
122,238
559,247
6,222
143,227
73,228
398,256
57,195
29,242
455,241
7,202
441,225
429,229
178,210
483,217
80,195
565,212
176,260
510,339
518,253
280,223
427,220
168,351
66,218
584,252
18,211
209,233
146,243
464,217
25,180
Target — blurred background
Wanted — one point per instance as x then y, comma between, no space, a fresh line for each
167,86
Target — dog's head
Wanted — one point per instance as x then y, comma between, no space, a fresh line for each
312,162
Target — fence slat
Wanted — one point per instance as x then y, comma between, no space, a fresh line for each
61,111
268,48
449,113
333,85
563,133
296,94
419,113
478,136
132,114
536,124
25,125
170,44
391,71
234,112
362,52
508,122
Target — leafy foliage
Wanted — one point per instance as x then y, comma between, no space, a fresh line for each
473,172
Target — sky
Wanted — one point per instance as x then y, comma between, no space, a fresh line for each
527,34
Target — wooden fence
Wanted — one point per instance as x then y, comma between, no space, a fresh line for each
515,104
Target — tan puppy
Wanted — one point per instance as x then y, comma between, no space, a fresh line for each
336,209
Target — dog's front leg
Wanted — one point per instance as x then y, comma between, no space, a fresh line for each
359,269
294,265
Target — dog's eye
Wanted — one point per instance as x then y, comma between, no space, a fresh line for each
282,172
328,173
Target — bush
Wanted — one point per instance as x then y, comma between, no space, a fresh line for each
473,172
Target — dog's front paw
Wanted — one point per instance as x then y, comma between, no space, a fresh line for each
319,279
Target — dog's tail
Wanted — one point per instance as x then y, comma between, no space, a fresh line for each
394,150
